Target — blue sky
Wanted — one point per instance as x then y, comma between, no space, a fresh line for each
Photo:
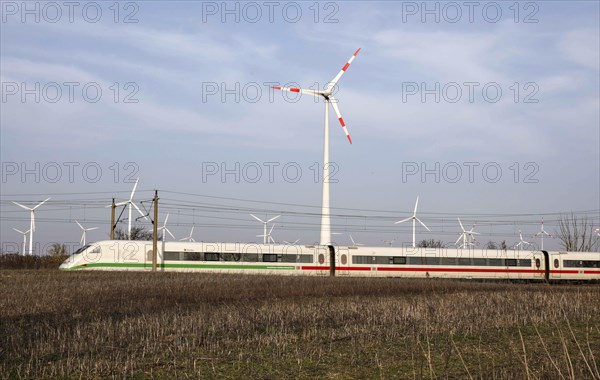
179,57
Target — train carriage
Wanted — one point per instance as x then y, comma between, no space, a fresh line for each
320,260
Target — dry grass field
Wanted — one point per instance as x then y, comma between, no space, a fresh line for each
142,325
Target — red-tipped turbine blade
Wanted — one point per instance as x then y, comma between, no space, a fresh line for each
342,71
333,102
298,90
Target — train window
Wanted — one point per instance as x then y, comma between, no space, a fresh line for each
555,263
448,261
525,263
415,260
362,260
537,263
269,258
433,260
251,257
344,259
231,256
510,262
495,262
173,256
479,262
305,258
381,260
211,256
96,249
582,263
464,261
321,258
399,260
288,258
192,256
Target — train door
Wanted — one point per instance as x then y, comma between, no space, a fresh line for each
546,265
148,257
556,265
332,259
322,260
343,258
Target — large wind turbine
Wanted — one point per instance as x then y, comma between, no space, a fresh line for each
326,94
24,233
414,220
85,230
31,222
541,235
264,235
131,206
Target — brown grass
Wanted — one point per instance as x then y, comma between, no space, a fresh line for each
142,325
17,261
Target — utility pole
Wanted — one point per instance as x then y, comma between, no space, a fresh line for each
112,220
155,231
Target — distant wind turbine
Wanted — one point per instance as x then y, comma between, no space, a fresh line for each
165,230
466,236
31,221
24,239
189,238
131,205
522,243
414,220
268,236
85,230
541,235
264,235
354,244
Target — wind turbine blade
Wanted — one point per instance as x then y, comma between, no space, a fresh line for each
423,224
192,231
272,219
342,71
80,226
416,204
353,242
33,221
457,240
299,90
166,218
93,228
41,203
257,218
82,237
20,205
19,231
404,220
333,102
461,225
134,187
140,211
169,232
271,230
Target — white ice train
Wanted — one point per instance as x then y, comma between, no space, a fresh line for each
319,260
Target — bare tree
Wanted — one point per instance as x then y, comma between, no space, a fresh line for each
137,233
430,244
576,234
58,249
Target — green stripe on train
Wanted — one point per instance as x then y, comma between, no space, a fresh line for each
183,266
